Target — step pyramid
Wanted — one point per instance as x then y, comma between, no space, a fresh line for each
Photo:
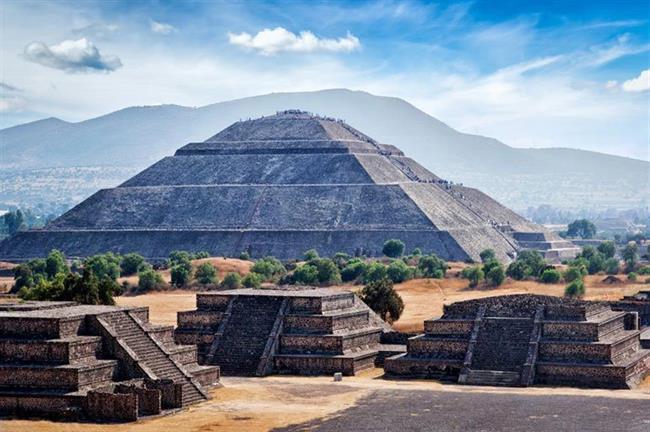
280,185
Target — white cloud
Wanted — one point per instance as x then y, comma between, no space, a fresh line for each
638,84
71,56
272,41
162,28
612,84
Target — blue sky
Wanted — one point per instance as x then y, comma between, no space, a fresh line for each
532,74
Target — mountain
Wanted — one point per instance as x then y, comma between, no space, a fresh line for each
135,137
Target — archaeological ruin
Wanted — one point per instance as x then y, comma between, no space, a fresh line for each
302,331
100,363
280,185
523,340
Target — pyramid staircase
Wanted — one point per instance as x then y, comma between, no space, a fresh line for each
69,361
258,332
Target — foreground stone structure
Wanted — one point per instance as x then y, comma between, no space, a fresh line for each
281,185
521,340
102,363
296,331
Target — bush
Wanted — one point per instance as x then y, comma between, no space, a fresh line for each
488,255
495,275
310,255
55,263
149,279
180,275
252,280
201,255
611,266
518,270
432,267
473,274
533,260
328,272
632,276
104,265
608,249
341,259
574,273
381,297
376,271
353,270
206,274
85,289
306,274
393,248
575,289
131,264
180,258
244,256
398,272
269,268
416,252
630,255
582,228
231,281
645,270
550,276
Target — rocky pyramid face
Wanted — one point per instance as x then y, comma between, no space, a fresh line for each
281,185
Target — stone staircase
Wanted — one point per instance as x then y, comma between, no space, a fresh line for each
239,349
151,354
500,352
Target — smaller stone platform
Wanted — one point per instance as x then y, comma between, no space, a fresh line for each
298,330
522,340
101,363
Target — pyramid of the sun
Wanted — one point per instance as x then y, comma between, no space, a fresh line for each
280,185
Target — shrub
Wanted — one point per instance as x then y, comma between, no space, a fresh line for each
306,274
104,265
328,272
607,248
341,259
201,255
473,274
55,263
374,272
398,272
550,276
533,260
574,273
488,255
393,248
206,274
518,270
131,264
353,270
416,252
611,266
575,289
432,267
269,268
632,276
252,280
645,270
495,275
310,255
180,275
630,255
244,256
180,258
149,279
231,281
381,297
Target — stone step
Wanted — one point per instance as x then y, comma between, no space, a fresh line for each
492,378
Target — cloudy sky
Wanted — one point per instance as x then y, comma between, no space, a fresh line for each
532,74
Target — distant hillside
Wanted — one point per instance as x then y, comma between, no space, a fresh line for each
135,137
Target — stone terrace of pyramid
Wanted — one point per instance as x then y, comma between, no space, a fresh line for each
280,185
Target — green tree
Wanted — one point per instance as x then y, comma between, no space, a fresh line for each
518,270
104,265
206,274
611,266
341,259
245,256
306,274
374,272
231,281
574,273
487,255
550,276
582,228
534,260
328,272
393,248
23,277
269,268
381,297
55,263
575,289
182,258
131,264
630,254
353,270
495,275
149,279
473,274
13,222
106,289
607,248
311,254
432,267
416,252
252,280
632,276
180,274
398,271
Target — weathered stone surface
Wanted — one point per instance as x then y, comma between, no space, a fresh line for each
280,185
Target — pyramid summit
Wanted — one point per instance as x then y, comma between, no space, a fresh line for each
280,185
